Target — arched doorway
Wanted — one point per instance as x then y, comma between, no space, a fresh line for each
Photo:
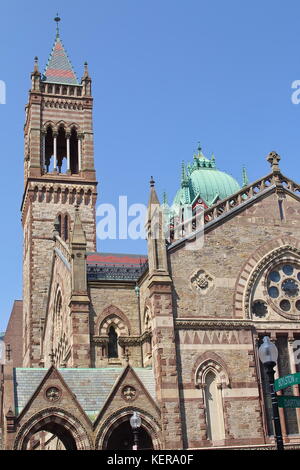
53,429
121,438
51,436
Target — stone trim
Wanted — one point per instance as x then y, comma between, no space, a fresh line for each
209,360
273,182
228,324
112,312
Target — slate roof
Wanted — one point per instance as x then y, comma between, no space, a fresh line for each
91,386
115,266
59,68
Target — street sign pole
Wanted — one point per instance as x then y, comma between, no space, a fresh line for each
276,419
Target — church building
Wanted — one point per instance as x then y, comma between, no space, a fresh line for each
172,335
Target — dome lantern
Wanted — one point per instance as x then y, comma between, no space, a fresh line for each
202,181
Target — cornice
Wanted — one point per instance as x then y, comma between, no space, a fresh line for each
226,324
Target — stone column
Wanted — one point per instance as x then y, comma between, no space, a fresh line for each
43,151
79,153
68,154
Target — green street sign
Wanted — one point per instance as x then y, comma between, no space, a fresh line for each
287,381
288,401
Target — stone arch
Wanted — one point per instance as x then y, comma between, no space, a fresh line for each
62,124
149,423
113,316
213,362
75,126
48,124
51,418
113,321
253,266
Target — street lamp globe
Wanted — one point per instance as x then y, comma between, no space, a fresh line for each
135,421
267,351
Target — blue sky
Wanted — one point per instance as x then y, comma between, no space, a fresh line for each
166,74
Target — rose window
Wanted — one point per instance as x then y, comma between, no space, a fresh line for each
283,284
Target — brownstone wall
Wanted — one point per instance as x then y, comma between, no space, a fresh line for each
57,327
229,246
115,301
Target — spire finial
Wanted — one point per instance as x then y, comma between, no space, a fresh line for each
184,177
152,182
245,177
199,148
36,64
57,19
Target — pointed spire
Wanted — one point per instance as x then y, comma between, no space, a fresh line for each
165,199
245,177
153,196
86,70
184,177
35,76
59,68
36,65
78,235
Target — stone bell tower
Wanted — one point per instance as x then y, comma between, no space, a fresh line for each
59,174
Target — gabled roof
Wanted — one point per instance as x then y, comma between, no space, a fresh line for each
91,387
227,208
59,68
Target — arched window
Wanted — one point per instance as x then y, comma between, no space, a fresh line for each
66,227
212,377
48,147
57,224
61,148
74,151
112,343
213,407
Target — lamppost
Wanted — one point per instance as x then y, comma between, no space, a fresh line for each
268,354
135,423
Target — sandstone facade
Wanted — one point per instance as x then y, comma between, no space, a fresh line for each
174,336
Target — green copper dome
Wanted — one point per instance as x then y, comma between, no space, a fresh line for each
202,180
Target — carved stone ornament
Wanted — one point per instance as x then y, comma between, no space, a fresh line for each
129,393
202,281
53,394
